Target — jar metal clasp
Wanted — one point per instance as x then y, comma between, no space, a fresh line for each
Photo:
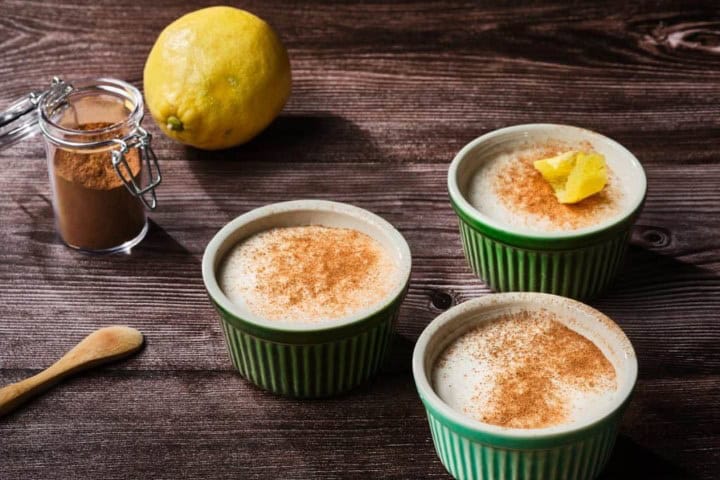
141,140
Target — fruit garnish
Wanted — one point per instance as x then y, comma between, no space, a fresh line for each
574,175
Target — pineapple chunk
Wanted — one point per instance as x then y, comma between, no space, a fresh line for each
574,175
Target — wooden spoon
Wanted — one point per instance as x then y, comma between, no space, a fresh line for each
101,346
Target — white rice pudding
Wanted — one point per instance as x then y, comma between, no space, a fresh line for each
308,274
509,190
525,369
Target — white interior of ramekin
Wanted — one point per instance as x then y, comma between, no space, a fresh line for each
301,213
621,161
587,321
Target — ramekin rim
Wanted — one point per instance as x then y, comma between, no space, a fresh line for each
459,200
325,206
427,393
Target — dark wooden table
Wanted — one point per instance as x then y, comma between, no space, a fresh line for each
384,95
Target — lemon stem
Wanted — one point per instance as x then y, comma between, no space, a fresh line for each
174,124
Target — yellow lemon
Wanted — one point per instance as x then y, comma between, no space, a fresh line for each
574,175
216,77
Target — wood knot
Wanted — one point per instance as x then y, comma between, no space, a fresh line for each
651,237
703,37
441,300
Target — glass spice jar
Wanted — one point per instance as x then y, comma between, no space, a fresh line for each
102,169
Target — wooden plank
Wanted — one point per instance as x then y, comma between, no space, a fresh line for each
384,95
431,90
228,429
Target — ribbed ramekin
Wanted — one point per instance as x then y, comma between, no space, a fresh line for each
304,360
578,264
473,450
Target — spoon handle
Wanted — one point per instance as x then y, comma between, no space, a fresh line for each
101,346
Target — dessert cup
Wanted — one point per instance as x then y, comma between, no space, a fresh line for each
306,360
577,263
470,449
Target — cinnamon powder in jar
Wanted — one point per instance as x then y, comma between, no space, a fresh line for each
94,209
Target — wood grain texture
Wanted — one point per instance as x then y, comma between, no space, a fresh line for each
384,95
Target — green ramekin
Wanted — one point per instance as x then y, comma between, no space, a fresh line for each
578,264
302,360
473,450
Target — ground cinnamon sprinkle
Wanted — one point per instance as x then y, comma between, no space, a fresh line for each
521,188
308,273
536,362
